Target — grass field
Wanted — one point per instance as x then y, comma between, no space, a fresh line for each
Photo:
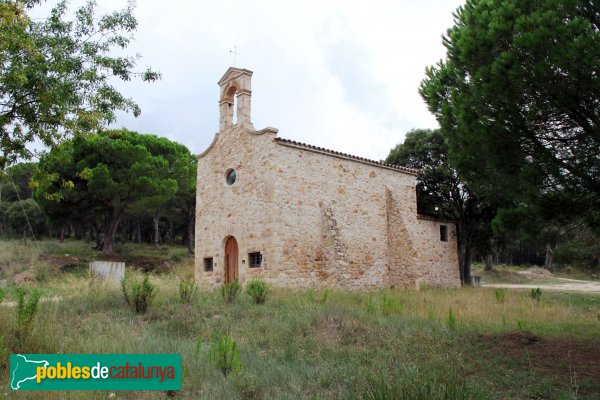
313,344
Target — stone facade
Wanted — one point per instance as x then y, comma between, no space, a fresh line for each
317,217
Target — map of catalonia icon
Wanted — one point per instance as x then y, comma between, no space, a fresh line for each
23,370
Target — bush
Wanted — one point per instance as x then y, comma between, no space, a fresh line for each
225,354
187,290
536,294
500,295
229,291
257,289
140,296
25,313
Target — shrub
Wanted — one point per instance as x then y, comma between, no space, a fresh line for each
25,313
187,290
500,295
225,354
451,321
229,291
536,294
257,289
140,295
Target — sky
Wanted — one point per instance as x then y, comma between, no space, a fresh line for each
343,75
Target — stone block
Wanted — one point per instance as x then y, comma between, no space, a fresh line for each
108,270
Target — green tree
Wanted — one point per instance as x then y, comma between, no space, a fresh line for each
56,74
182,168
441,193
23,214
101,178
518,99
14,182
183,205
14,186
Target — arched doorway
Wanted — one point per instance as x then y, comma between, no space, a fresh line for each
231,260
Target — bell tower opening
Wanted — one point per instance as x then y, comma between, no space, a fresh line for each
234,103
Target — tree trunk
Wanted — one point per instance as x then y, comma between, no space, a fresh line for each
467,264
138,230
156,240
549,257
111,233
489,262
461,254
98,236
190,234
62,234
468,257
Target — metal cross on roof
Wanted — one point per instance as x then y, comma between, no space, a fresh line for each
235,54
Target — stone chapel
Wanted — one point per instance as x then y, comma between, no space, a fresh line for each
299,215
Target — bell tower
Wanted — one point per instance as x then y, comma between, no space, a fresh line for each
234,102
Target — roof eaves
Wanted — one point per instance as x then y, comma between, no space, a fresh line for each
300,145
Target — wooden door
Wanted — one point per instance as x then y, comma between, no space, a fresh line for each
231,260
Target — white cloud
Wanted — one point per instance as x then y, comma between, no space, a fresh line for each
337,74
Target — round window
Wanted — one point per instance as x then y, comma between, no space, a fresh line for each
230,177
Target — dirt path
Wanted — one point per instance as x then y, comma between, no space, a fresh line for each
572,286
52,299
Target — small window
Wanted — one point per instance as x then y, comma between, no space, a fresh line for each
230,177
443,233
255,260
208,264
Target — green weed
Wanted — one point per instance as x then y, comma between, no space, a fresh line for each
451,320
390,305
229,291
500,295
257,289
140,295
25,313
415,385
536,294
225,354
188,289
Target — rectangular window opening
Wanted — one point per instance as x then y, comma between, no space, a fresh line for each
443,233
255,260
208,264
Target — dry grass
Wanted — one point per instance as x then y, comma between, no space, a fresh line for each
334,345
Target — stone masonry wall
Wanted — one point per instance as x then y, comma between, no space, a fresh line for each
318,220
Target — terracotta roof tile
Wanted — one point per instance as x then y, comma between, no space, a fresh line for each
430,218
310,147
